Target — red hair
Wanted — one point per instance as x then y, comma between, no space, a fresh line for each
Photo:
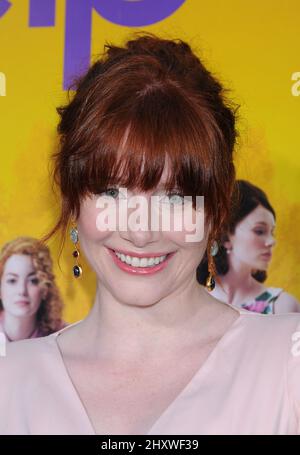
49,314
137,106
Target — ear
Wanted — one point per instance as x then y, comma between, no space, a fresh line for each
227,245
226,242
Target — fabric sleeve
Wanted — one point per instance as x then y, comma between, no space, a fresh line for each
12,382
293,374
7,379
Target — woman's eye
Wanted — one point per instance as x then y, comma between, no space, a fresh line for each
173,198
111,192
115,193
11,280
34,281
259,232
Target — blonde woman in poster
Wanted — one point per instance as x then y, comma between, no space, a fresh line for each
156,354
243,256
30,302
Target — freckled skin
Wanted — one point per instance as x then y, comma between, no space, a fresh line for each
127,288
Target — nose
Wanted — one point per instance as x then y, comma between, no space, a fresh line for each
139,231
138,238
22,288
271,242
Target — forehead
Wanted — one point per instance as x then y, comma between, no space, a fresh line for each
260,215
19,263
166,172
166,175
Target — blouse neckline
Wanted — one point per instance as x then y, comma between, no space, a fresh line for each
184,391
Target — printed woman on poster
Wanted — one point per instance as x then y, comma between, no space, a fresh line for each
243,256
30,302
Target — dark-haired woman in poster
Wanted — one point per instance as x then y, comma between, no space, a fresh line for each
244,253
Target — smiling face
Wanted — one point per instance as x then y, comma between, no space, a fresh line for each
141,266
253,240
21,293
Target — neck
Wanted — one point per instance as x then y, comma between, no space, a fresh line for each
18,328
238,284
128,331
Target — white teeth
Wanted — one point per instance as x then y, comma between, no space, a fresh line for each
135,262
140,262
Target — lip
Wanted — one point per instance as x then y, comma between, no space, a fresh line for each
140,270
22,302
139,255
267,255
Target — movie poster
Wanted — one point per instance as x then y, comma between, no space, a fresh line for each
252,48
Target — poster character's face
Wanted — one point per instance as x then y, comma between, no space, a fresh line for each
140,265
253,240
20,291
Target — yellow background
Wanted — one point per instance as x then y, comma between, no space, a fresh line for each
254,48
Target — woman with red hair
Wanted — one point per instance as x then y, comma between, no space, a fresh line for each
30,302
157,354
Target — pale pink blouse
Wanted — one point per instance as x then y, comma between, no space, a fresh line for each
249,384
38,332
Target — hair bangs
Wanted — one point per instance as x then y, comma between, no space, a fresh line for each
140,108
160,128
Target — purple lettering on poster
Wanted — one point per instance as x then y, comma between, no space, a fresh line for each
136,13
130,13
77,38
42,13
4,7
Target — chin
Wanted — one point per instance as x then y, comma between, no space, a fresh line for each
262,266
19,312
141,297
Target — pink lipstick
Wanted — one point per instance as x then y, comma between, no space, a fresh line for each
140,270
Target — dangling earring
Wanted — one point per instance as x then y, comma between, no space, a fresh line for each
210,281
77,269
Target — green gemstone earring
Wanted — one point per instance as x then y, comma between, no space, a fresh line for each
210,281
77,269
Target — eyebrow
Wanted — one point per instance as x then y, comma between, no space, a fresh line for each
264,224
15,274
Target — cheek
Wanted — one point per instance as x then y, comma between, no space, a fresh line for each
257,241
248,247
35,293
6,291
190,252
89,228
190,226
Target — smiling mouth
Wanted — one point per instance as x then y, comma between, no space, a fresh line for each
142,262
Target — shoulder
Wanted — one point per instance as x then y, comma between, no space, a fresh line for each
273,349
26,346
282,322
20,359
273,331
29,360
27,371
293,375
286,303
